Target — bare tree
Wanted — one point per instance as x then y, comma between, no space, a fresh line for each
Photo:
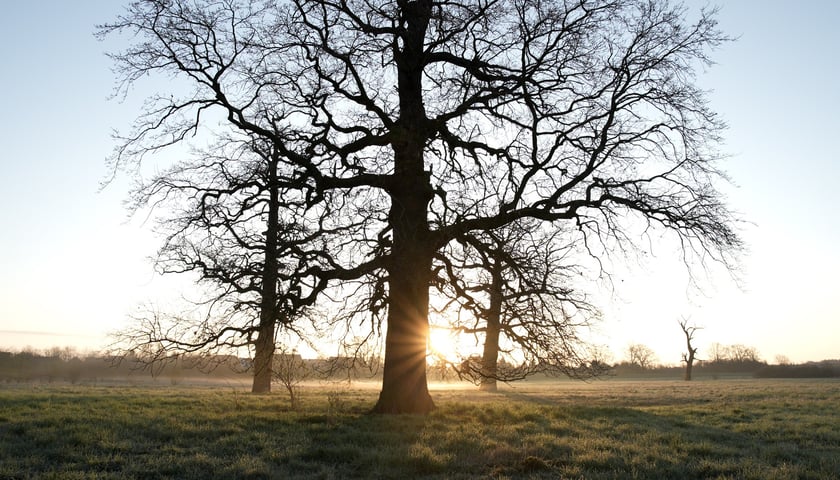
641,356
234,221
718,352
691,351
420,121
289,369
743,354
512,286
782,360
736,353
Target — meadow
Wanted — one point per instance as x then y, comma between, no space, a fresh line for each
723,429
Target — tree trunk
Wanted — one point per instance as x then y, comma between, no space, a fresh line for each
689,363
264,344
263,357
490,357
404,387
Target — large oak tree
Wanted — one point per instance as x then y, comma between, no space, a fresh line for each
432,119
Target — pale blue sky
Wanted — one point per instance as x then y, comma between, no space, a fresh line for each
72,268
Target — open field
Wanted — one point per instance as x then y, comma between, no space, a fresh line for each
751,429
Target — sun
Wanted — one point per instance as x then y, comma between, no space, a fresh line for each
443,345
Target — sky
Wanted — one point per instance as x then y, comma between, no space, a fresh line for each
74,265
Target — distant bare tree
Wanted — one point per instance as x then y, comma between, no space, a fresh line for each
691,351
734,354
743,354
782,360
718,352
641,356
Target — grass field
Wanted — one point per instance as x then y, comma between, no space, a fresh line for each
751,429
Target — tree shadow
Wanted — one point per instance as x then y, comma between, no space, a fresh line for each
516,435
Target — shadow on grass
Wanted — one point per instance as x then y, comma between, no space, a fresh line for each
535,438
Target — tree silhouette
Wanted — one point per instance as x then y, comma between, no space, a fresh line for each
234,223
417,122
691,351
511,285
641,356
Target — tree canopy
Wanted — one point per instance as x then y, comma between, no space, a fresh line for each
402,126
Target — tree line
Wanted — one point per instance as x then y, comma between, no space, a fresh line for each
65,365
721,360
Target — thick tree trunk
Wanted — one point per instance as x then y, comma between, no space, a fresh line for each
264,344
263,357
490,357
404,387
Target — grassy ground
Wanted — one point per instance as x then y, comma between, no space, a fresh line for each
750,429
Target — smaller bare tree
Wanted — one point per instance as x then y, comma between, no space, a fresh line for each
782,360
641,355
289,369
689,356
718,353
740,353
